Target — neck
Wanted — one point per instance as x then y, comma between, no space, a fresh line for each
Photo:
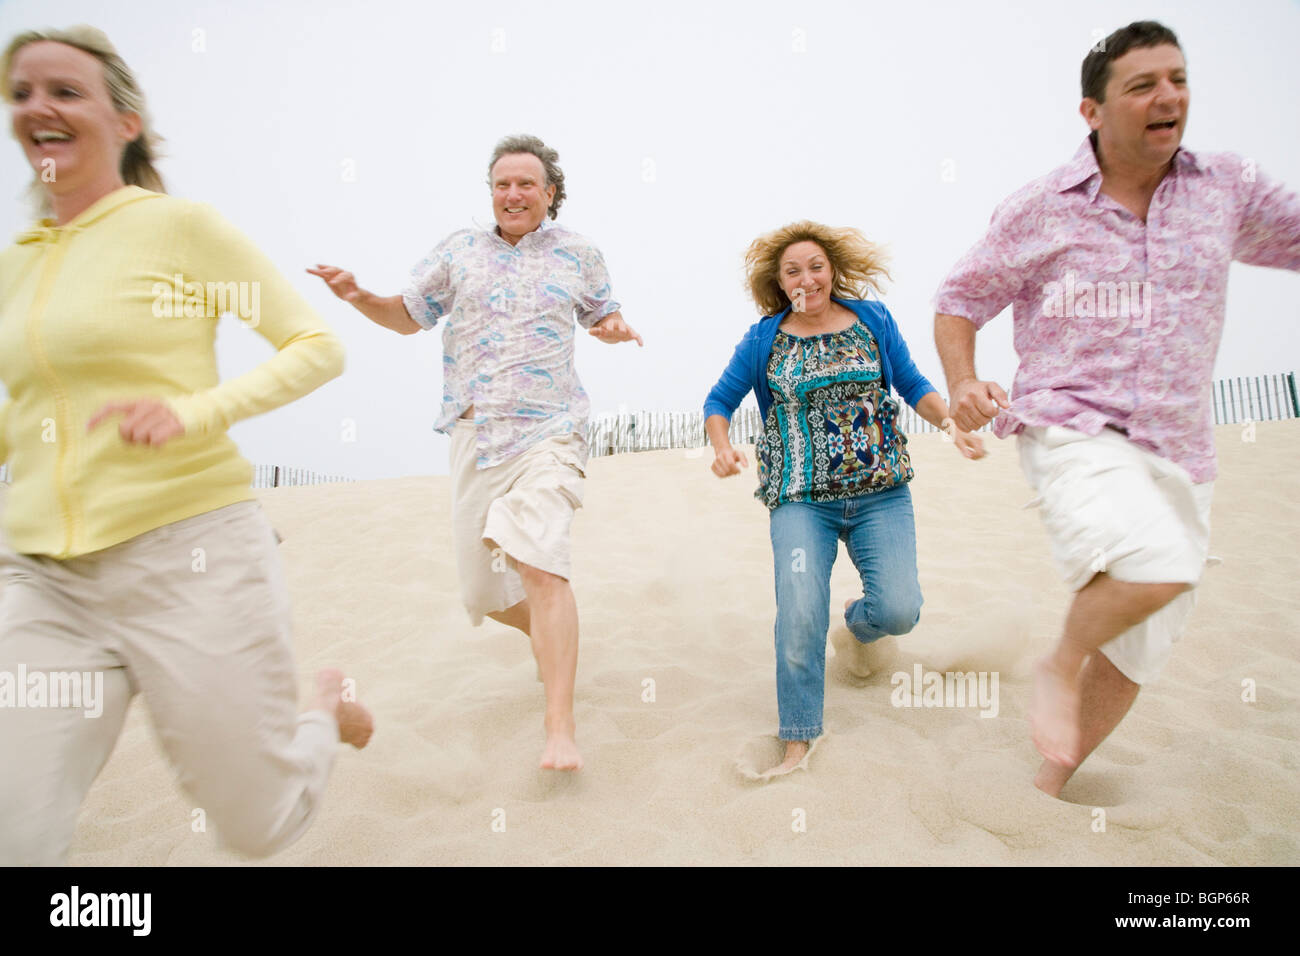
67,205
1130,175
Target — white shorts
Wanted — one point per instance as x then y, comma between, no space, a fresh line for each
519,510
1109,505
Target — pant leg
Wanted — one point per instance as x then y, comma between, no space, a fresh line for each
881,538
49,756
488,579
805,537
205,623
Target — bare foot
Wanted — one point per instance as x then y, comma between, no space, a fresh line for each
863,660
1054,715
795,750
355,723
1052,778
561,751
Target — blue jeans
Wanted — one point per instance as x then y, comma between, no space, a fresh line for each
880,533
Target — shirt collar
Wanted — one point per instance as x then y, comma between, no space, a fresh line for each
1083,168
495,231
47,230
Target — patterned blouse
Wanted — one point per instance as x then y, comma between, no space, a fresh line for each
832,430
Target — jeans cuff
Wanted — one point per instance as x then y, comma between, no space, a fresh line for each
808,734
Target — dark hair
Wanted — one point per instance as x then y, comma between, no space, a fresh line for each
1138,35
549,159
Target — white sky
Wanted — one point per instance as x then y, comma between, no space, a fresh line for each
685,129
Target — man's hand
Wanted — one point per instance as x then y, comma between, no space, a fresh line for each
974,404
145,421
612,329
728,461
342,284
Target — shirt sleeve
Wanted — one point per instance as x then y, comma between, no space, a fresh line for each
908,381
986,280
4,429
725,397
429,295
1269,233
596,300
308,353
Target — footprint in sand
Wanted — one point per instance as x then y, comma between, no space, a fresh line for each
760,757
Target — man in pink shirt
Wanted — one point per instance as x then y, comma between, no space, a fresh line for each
1116,268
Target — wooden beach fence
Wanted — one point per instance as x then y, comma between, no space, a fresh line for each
1261,398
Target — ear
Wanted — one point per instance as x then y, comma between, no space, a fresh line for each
550,196
130,125
1090,110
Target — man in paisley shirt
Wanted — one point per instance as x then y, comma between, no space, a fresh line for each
1115,266
513,405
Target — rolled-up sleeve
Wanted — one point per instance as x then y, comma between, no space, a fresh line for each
986,279
429,294
596,300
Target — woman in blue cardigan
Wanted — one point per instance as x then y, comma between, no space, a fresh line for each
832,461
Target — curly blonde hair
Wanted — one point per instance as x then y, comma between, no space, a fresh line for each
859,265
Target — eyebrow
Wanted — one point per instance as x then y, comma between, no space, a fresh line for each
1152,74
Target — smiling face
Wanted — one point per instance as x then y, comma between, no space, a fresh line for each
1142,119
64,118
805,272
520,201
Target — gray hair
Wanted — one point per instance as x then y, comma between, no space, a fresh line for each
137,164
549,158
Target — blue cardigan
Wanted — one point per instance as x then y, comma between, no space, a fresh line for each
748,366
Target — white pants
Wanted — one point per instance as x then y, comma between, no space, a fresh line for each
1111,506
195,616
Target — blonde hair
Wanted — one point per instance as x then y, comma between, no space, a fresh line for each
859,265
137,166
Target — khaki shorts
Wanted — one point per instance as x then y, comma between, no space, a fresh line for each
518,511
1111,506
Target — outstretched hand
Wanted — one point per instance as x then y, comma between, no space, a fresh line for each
612,330
145,421
342,283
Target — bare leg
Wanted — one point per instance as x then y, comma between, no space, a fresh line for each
1102,610
1105,696
516,616
554,633
355,723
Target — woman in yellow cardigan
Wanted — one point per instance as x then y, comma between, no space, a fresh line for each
137,557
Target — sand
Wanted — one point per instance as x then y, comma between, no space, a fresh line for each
673,576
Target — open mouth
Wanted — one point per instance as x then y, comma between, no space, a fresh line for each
43,136
1167,124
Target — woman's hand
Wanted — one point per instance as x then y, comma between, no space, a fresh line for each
145,421
968,443
728,461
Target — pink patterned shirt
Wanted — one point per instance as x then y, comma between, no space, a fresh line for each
1116,321
507,335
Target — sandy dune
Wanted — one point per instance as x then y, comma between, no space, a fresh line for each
673,575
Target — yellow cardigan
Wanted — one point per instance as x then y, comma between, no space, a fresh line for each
122,303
